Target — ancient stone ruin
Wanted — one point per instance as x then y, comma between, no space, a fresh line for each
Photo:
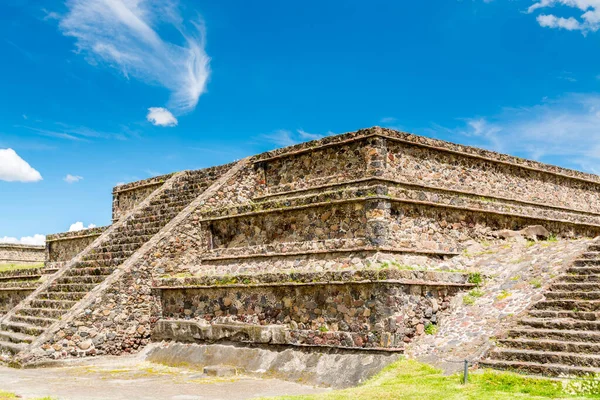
331,244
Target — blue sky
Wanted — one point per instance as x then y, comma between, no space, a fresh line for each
98,92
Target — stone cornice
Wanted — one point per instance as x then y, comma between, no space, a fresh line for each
433,144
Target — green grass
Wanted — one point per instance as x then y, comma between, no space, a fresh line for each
9,396
468,300
14,267
409,380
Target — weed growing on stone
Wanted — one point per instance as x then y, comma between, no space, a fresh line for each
468,300
431,329
536,283
476,293
475,278
503,295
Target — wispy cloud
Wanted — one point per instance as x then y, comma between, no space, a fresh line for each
72,178
565,131
284,137
160,116
61,130
36,239
126,35
589,21
14,169
388,120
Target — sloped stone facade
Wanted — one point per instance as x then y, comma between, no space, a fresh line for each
362,201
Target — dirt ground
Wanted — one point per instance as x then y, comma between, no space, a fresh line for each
132,378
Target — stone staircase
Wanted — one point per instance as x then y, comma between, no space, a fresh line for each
45,307
560,336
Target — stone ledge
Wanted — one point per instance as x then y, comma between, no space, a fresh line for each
368,249
22,246
397,200
405,184
84,233
192,331
366,276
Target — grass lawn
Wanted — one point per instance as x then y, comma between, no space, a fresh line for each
13,267
409,379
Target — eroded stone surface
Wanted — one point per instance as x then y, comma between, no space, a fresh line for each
515,273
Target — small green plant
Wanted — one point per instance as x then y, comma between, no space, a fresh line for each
475,278
485,243
536,283
468,300
552,238
503,295
530,243
431,329
476,293
516,278
323,329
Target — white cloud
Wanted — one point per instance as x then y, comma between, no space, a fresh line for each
589,20
36,239
72,178
161,117
14,168
77,226
126,35
564,131
284,137
388,120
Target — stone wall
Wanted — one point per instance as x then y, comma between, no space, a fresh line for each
62,247
21,254
127,196
354,309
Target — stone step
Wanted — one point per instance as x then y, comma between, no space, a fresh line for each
124,239
85,279
19,284
45,312
564,323
16,277
579,315
15,337
579,278
593,248
12,348
591,255
49,271
72,296
21,327
71,287
551,345
115,262
572,295
546,357
37,321
583,270
539,369
95,271
568,305
586,262
576,286
108,256
53,304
